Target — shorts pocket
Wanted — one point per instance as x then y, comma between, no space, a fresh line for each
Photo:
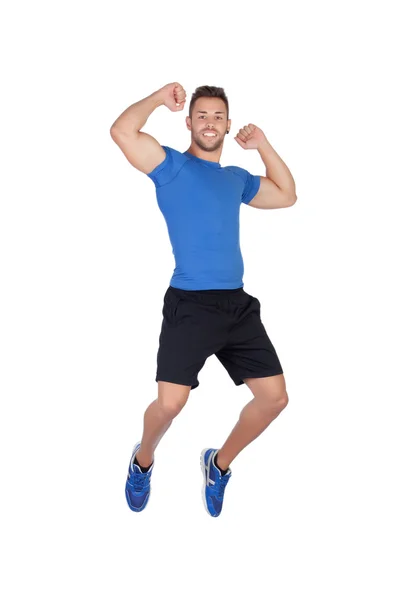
171,304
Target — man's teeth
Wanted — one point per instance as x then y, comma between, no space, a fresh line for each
209,134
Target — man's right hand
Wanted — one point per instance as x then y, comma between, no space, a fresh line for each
174,96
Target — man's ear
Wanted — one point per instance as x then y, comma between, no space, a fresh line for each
189,123
228,128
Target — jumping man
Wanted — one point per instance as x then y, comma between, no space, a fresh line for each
206,310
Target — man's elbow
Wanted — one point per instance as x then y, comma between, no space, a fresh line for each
290,199
115,132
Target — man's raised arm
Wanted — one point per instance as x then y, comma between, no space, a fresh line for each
141,149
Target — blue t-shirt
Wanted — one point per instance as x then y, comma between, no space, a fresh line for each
200,201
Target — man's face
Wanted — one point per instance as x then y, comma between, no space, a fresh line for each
209,123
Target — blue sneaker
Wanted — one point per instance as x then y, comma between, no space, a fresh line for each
137,489
214,482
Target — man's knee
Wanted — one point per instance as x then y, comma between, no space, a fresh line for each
283,401
171,400
275,404
171,405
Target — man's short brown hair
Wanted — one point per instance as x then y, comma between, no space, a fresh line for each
208,91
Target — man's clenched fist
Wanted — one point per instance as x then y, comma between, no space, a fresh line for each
250,137
174,96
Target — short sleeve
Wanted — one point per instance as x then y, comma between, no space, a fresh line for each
251,183
166,171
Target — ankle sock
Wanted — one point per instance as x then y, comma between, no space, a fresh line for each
143,469
217,465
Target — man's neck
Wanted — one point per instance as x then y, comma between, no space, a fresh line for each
199,153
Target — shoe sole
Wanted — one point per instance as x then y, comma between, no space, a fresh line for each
203,470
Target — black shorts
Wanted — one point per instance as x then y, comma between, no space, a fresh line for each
227,323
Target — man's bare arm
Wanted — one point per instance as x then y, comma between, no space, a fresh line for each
141,149
278,189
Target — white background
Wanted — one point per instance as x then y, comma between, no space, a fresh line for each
312,508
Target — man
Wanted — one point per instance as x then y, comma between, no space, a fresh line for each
206,310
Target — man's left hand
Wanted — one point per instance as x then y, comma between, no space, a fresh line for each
250,137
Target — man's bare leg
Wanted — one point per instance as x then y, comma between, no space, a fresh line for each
159,416
270,398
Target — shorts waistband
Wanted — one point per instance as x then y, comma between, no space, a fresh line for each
216,292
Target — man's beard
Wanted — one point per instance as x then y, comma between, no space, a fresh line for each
207,148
